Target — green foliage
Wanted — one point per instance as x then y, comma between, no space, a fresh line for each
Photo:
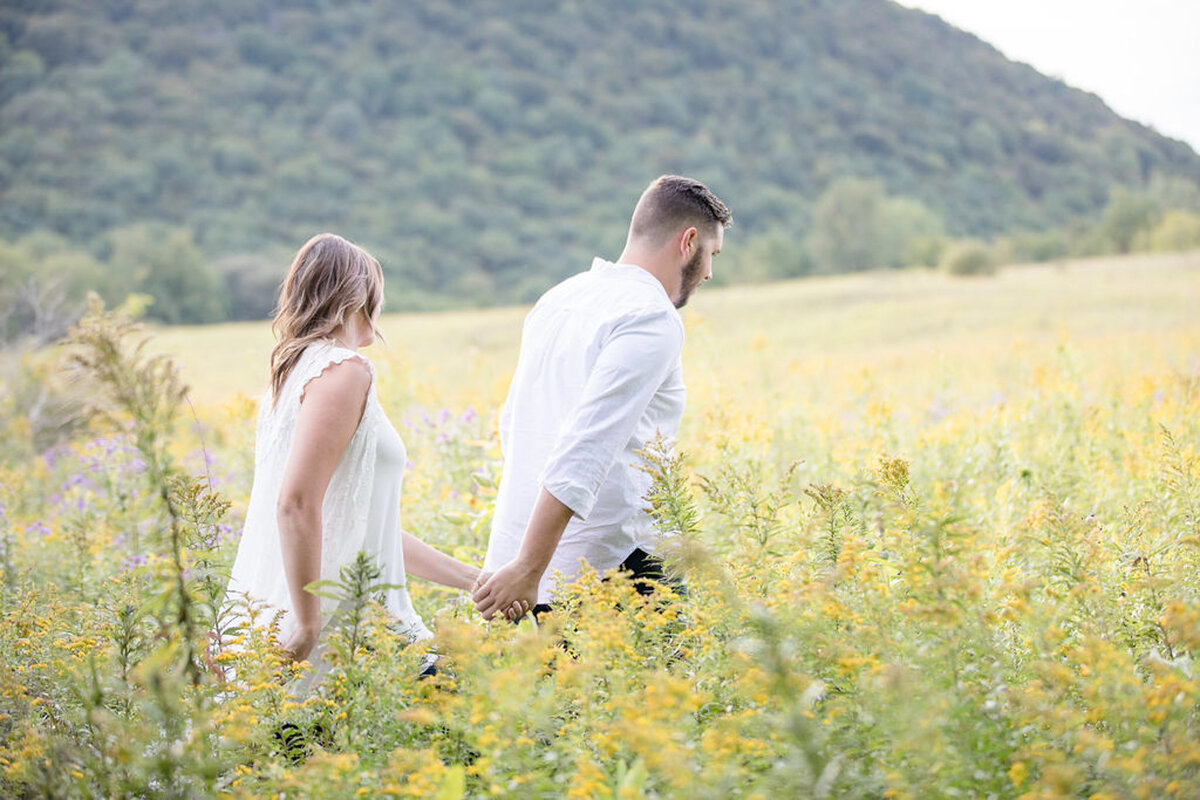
1171,191
741,495
133,606
33,390
22,71
1037,247
1127,215
1010,608
844,235
484,152
141,396
856,226
1177,230
775,254
251,282
669,500
357,584
910,234
969,257
42,284
165,264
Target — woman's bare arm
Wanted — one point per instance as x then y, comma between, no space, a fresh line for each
330,411
426,562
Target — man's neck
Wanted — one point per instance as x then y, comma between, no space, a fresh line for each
651,261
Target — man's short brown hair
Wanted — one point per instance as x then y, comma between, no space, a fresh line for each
673,202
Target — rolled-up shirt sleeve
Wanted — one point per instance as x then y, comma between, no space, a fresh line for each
633,362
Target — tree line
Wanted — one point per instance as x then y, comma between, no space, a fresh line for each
186,149
44,277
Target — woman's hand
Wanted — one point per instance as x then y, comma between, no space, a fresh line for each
300,644
480,580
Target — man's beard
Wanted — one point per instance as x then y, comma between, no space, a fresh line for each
690,278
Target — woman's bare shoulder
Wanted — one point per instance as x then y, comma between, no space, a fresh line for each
344,380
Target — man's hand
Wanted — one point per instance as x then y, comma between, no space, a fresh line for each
512,589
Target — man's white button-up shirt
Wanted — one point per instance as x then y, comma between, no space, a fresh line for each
599,375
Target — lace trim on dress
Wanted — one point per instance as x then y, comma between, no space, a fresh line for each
280,417
338,355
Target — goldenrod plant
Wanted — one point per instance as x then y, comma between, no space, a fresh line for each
937,538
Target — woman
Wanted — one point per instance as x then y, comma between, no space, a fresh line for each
328,464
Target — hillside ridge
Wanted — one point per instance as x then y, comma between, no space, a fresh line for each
485,152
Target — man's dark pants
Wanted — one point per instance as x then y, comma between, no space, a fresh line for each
644,570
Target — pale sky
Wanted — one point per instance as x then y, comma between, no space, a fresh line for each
1141,57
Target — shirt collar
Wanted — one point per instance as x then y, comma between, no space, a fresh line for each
631,270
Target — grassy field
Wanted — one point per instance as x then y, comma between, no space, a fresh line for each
897,321
945,543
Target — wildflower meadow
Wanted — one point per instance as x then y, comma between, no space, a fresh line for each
940,537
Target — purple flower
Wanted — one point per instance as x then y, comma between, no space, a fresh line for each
109,446
444,416
207,457
52,454
38,527
469,415
81,479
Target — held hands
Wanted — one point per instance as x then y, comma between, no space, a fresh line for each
511,590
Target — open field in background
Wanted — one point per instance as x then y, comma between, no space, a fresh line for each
946,543
909,326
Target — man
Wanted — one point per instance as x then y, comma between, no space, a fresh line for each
598,376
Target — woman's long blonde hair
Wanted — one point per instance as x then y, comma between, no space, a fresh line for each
329,281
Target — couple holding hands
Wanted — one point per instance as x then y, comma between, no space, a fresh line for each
598,376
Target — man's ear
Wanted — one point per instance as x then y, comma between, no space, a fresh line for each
686,240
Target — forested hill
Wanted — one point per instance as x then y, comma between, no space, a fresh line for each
483,149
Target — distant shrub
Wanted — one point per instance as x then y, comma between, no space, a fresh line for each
924,251
1178,230
1127,215
1002,250
968,257
856,225
1040,246
772,255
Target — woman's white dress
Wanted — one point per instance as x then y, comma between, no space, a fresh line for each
361,510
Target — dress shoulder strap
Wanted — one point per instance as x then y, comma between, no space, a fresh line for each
316,358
